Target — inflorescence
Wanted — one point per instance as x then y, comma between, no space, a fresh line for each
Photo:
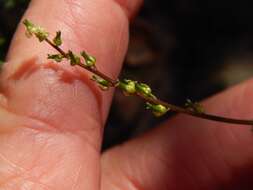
127,86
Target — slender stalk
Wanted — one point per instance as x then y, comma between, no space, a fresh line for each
196,114
91,69
113,83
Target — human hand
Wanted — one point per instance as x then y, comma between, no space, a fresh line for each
52,116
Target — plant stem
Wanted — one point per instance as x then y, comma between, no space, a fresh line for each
196,114
113,83
91,69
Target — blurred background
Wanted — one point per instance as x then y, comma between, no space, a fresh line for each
182,48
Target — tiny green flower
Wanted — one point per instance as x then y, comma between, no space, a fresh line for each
157,109
143,89
57,39
74,59
90,61
128,86
194,106
103,84
55,57
38,31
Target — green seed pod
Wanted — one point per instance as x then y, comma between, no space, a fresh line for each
57,39
103,84
74,59
55,57
29,28
157,109
143,89
128,86
194,106
90,61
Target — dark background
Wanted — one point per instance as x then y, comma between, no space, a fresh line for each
182,48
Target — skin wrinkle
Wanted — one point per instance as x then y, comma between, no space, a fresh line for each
76,178
74,5
23,172
30,122
11,177
35,183
219,151
73,21
224,158
8,180
205,158
12,164
56,169
133,183
89,27
169,166
184,166
224,150
203,162
53,165
18,177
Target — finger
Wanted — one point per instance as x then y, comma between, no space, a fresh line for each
189,153
58,112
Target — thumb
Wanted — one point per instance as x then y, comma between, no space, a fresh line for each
58,112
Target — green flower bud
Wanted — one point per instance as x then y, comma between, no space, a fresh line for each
29,27
57,39
103,84
74,59
128,86
38,31
194,106
90,61
55,57
157,109
143,89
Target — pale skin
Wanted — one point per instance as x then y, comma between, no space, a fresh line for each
52,116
